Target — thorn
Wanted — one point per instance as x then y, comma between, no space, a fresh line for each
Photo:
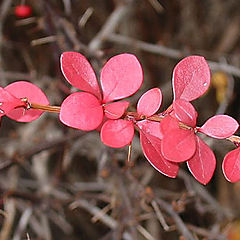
28,238
129,152
129,163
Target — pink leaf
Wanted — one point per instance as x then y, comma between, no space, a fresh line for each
115,110
79,73
8,102
117,133
34,94
191,78
81,110
150,102
185,112
103,121
219,126
151,147
231,166
178,144
168,123
150,128
203,163
121,77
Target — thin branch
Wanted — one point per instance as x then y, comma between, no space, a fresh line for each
206,233
10,210
45,108
169,209
50,144
71,34
168,52
44,40
179,222
109,27
23,223
130,216
228,95
128,115
216,66
95,211
83,20
145,233
160,216
67,6
203,193
4,8
144,46
156,5
104,211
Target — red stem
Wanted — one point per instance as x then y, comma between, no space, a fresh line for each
129,115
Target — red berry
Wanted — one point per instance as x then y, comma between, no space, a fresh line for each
23,11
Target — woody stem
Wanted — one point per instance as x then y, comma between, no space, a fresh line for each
47,108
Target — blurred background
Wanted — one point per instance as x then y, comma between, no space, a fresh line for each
58,183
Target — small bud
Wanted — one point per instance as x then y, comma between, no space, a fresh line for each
23,11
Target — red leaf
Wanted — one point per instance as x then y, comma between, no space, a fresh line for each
191,78
117,133
103,121
121,77
34,94
168,123
150,102
203,163
23,11
220,126
231,166
151,147
81,110
150,127
115,110
185,112
178,145
8,102
79,73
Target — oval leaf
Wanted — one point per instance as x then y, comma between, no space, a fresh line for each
231,166
150,128
178,145
79,73
8,102
151,147
81,110
219,126
150,102
168,124
203,163
121,77
117,133
185,112
34,94
191,78
115,110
